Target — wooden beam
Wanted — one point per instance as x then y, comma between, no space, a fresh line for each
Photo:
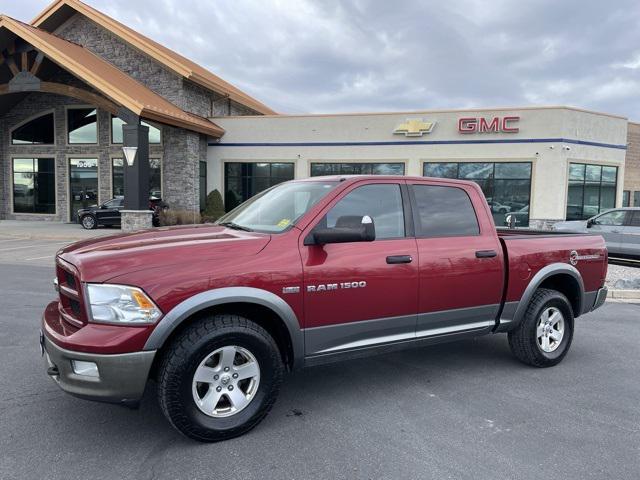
25,61
36,64
11,63
69,91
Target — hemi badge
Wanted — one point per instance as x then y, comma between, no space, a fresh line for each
290,289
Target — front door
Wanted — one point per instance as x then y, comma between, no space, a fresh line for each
630,238
610,225
83,185
461,260
109,212
361,294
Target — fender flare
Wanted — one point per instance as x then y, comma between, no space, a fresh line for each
221,296
544,273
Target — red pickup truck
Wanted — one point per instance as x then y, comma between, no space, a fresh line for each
307,272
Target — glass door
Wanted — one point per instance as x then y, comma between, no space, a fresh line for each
83,184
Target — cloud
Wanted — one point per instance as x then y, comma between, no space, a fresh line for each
376,55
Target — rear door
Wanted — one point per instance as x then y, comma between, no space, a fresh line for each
362,294
610,226
461,260
630,237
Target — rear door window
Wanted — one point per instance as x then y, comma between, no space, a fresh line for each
444,212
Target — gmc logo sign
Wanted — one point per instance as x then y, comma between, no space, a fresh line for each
483,125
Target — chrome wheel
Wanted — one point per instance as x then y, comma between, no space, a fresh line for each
88,222
550,329
226,381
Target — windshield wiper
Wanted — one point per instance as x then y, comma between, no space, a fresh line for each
235,226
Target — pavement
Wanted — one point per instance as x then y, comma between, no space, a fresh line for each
464,410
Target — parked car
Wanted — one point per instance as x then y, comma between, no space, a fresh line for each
307,272
108,214
620,228
499,207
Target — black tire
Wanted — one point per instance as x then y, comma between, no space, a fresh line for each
186,353
89,222
523,341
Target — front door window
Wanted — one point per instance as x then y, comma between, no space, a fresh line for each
83,184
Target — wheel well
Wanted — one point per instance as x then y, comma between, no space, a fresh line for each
568,286
263,316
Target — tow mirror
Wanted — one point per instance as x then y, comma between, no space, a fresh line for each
349,228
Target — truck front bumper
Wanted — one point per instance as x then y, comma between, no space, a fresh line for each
117,378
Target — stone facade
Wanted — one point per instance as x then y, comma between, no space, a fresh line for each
180,152
133,220
632,164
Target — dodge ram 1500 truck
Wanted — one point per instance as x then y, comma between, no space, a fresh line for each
307,272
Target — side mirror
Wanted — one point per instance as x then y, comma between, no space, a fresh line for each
348,229
591,222
511,221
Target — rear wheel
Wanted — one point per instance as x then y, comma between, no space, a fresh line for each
89,222
544,336
219,378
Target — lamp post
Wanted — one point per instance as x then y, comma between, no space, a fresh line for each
130,154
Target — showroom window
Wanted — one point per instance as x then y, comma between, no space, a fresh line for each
626,198
38,131
592,189
116,131
203,185
82,125
155,177
34,185
243,180
444,212
506,185
318,169
382,202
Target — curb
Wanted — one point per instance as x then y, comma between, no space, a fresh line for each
624,295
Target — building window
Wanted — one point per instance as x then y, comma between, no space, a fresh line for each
592,189
203,185
82,125
34,185
39,131
636,199
155,177
318,169
243,180
116,131
506,185
626,198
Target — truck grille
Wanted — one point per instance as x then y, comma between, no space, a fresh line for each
71,305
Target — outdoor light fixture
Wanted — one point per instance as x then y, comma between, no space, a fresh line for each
130,154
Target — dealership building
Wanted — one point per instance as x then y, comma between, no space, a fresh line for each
77,86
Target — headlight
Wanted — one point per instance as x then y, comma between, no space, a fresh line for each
120,304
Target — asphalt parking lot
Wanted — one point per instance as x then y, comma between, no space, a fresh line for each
465,411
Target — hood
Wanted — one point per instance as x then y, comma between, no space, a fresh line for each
100,259
572,226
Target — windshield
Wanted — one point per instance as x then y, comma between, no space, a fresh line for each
277,208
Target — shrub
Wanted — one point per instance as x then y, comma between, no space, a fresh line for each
178,217
214,208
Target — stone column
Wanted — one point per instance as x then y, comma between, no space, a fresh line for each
136,214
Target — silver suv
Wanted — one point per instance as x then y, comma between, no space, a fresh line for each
620,228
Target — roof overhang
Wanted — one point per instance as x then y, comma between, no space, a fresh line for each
59,11
108,80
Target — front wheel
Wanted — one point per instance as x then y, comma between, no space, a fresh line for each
89,222
544,336
219,378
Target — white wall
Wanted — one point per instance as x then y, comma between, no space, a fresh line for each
550,159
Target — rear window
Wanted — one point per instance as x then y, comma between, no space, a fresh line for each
444,212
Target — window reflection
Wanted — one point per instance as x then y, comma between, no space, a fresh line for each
319,169
506,185
155,177
244,180
82,125
34,185
592,189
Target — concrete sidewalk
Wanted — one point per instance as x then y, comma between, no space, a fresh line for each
42,230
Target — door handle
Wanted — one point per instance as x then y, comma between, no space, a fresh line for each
486,254
615,231
394,259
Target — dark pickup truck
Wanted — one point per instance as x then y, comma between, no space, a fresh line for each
307,272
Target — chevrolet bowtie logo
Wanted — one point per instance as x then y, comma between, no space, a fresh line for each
414,127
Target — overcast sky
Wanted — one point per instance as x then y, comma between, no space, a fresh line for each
379,55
